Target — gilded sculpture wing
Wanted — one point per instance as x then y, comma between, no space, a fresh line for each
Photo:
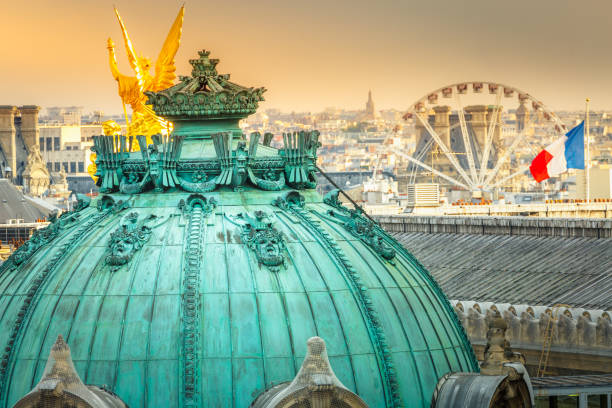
164,66
131,53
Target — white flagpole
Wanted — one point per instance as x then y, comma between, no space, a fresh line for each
588,153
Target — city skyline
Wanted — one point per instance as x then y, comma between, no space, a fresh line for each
317,55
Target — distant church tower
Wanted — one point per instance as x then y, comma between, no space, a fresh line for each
370,113
522,115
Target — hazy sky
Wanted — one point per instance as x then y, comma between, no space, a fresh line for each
312,54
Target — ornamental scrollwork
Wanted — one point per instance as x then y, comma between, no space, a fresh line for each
45,235
198,165
267,163
359,226
300,154
270,181
236,164
199,183
197,200
37,240
290,199
107,202
131,235
134,167
83,202
259,235
134,183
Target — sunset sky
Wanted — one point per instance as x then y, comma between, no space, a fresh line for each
317,53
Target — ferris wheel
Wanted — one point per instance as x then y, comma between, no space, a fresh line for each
478,136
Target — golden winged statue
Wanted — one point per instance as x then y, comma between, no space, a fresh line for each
132,88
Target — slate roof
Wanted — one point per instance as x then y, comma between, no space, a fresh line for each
517,269
13,204
572,381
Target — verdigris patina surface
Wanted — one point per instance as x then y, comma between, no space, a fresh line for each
174,162
259,234
198,275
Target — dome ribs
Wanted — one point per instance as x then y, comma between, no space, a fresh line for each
60,385
37,283
44,236
198,210
360,227
295,206
438,290
330,223
190,309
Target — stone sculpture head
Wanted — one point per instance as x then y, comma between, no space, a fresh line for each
268,247
126,240
263,239
121,247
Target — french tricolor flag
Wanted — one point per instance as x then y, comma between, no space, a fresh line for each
564,153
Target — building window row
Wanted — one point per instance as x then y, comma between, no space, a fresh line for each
69,167
48,144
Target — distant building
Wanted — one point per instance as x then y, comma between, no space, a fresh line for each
600,182
68,147
67,115
32,155
370,106
370,113
66,141
19,217
20,159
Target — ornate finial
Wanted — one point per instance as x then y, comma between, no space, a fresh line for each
316,369
315,385
206,94
60,383
204,66
60,348
59,366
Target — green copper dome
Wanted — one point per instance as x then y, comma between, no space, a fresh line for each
199,274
